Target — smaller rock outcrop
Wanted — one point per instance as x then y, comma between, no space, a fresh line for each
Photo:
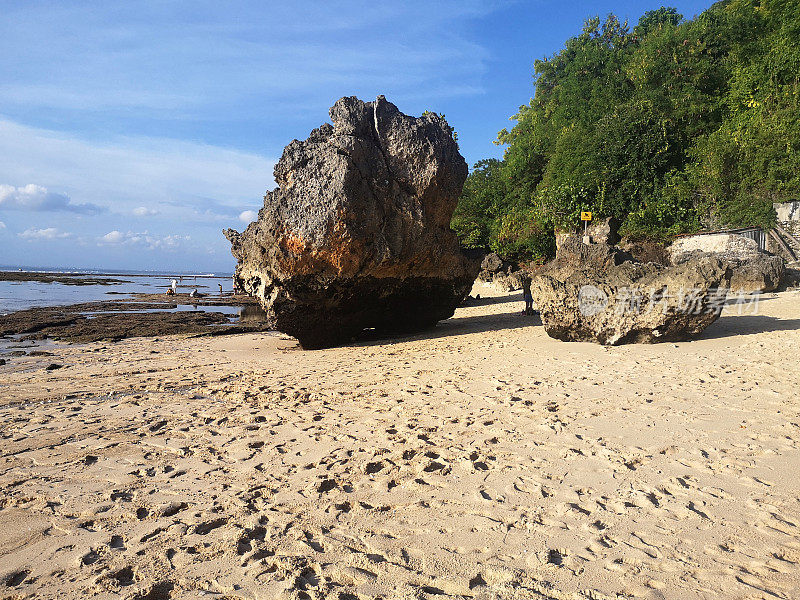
508,282
631,302
759,273
600,231
502,275
492,263
604,231
574,255
791,280
647,251
753,270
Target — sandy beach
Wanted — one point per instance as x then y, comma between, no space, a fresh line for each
479,460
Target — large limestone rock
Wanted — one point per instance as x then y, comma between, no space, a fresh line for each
357,234
753,270
631,302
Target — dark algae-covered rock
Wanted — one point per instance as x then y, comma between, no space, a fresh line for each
357,234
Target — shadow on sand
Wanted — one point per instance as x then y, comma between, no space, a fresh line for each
456,326
733,325
748,299
727,326
489,300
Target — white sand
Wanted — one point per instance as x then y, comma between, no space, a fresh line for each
481,460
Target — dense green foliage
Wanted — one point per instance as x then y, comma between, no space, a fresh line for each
670,126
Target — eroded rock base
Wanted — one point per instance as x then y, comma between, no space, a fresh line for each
343,311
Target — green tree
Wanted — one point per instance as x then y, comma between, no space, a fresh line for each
482,202
671,126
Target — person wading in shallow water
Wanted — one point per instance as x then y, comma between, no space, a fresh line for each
526,294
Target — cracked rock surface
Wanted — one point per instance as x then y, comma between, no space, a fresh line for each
357,234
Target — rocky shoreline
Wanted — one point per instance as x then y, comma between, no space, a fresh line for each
62,278
143,315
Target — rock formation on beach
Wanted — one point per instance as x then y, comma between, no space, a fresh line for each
573,255
632,302
753,269
500,274
599,293
604,231
357,234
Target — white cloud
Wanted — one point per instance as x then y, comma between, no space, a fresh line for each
224,56
167,242
2,225
143,239
249,75
38,198
113,237
144,211
248,216
50,233
194,182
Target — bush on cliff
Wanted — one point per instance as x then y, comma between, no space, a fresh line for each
669,126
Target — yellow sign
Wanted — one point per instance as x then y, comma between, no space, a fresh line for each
586,216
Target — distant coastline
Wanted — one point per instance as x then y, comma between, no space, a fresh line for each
57,277
73,271
22,289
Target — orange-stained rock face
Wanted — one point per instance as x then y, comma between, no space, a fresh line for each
357,233
292,245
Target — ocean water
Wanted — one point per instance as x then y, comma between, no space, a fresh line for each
20,295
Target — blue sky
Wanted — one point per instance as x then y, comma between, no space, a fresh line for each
131,133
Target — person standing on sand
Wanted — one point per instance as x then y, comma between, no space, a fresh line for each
174,286
526,294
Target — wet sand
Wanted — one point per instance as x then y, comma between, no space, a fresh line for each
480,460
